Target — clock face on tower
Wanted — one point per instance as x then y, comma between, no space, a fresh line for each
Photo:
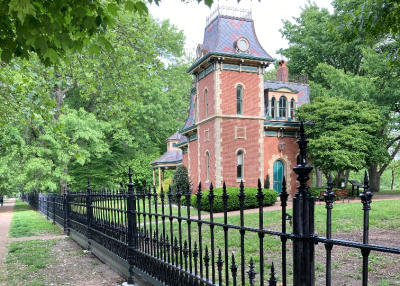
242,44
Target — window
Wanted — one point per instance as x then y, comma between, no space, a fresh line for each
195,111
292,108
208,165
266,103
273,107
206,102
240,165
282,107
239,99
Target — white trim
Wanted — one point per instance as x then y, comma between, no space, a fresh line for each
243,160
240,128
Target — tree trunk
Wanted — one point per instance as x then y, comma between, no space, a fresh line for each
374,178
346,177
318,177
339,173
392,186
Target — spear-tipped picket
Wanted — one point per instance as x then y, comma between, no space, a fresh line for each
234,268
220,263
251,272
272,279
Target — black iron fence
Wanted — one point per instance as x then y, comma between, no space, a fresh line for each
140,229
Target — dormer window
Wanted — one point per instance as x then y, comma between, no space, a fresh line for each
282,107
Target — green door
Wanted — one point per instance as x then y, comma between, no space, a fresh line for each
278,176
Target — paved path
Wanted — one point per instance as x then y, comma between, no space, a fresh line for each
6,212
5,219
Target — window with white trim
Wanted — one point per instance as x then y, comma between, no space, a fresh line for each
239,99
240,165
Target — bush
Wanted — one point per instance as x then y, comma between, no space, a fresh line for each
181,179
315,191
251,200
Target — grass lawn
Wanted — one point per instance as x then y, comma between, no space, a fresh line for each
347,223
27,222
388,192
25,259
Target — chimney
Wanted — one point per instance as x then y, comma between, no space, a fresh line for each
282,74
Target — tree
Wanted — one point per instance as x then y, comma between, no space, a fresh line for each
180,180
51,29
342,133
313,39
341,61
99,114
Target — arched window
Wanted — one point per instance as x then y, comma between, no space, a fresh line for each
196,119
208,165
239,99
273,107
240,164
206,102
266,103
282,107
292,108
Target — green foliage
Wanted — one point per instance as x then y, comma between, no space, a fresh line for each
52,29
343,133
251,200
180,180
104,111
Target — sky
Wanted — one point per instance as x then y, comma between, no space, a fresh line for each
267,16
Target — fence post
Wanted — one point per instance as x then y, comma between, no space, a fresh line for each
65,212
47,205
303,221
88,215
54,208
131,213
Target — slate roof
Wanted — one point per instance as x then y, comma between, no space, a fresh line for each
222,33
302,89
175,136
173,156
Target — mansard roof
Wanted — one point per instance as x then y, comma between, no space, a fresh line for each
175,136
224,27
170,157
302,90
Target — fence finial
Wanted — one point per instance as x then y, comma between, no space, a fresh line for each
284,194
302,169
329,196
88,186
366,195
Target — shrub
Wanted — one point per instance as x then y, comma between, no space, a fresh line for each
251,200
315,191
181,179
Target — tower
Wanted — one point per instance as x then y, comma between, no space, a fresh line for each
224,131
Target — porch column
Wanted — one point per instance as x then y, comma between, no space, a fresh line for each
159,177
154,177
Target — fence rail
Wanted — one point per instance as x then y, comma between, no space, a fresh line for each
177,247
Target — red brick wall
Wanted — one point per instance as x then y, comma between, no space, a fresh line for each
206,82
251,93
185,159
291,151
193,165
250,145
207,145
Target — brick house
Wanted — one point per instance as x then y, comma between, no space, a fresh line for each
240,126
